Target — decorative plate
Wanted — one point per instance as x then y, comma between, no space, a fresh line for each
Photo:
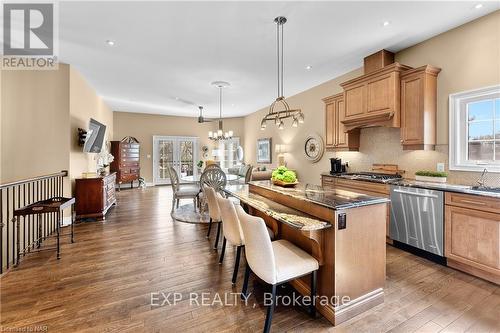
314,148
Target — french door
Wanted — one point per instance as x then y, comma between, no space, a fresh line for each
180,152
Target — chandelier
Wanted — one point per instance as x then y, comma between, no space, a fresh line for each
275,115
220,134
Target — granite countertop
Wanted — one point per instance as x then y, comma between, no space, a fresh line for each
284,214
330,198
457,188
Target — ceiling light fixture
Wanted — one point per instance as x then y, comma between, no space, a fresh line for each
279,116
220,134
478,6
308,67
386,23
110,42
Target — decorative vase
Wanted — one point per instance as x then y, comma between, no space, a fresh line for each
103,171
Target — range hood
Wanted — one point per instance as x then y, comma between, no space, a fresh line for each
373,99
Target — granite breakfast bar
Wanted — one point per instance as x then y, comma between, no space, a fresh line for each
343,230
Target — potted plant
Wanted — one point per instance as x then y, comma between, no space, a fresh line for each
284,177
199,165
104,159
431,176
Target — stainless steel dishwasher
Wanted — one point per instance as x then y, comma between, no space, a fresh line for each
417,218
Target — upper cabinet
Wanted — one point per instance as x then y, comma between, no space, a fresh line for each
374,98
418,108
336,136
389,94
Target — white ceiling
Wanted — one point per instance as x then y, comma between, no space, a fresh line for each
167,53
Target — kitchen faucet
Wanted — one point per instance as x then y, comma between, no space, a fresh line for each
480,182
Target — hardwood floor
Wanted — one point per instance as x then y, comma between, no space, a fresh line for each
103,283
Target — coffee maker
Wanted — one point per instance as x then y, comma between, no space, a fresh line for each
336,166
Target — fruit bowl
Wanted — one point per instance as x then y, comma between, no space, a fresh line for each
283,184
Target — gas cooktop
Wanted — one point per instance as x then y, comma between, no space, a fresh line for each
381,177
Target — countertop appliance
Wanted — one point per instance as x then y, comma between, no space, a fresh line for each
417,218
380,177
336,166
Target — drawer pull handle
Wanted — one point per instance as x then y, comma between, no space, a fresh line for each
472,202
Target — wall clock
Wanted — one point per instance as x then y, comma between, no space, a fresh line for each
314,148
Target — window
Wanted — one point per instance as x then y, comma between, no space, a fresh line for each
475,130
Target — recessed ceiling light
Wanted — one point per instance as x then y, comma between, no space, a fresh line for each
110,42
177,98
308,67
478,6
386,23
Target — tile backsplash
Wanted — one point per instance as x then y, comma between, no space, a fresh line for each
382,145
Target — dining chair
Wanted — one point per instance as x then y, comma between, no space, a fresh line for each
212,177
210,166
274,262
213,211
181,191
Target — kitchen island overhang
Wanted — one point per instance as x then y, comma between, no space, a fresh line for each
343,230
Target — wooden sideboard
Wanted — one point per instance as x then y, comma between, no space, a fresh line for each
94,196
127,160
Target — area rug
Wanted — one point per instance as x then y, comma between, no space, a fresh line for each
186,213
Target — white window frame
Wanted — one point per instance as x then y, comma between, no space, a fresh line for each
458,136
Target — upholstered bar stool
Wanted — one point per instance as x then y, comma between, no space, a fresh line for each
231,232
213,211
274,262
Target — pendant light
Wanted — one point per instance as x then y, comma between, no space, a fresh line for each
220,134
278,116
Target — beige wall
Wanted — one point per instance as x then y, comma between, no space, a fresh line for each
145,126
310,101
35,123
84,103
469,57
41,111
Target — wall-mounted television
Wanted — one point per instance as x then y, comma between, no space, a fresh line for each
95,137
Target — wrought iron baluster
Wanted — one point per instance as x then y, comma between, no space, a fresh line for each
47,218
24,221
13,226
30,219
7,222
1,231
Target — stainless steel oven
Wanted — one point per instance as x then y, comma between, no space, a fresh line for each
417,218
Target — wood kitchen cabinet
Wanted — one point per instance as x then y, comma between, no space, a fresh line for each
336,138
373,99
418,108
472,235
360,186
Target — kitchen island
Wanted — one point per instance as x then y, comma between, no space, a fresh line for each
343,230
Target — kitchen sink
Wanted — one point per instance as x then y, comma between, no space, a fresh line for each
486,189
